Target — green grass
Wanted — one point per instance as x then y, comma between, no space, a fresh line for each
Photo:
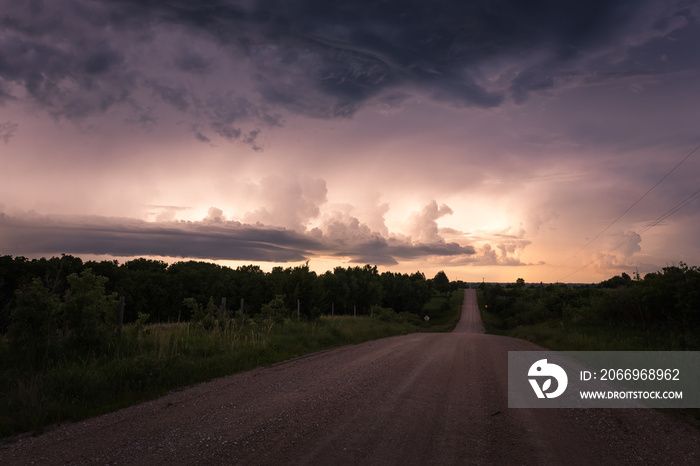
150,361
444,312
579,336
563,335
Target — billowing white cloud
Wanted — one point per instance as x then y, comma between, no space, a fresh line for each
288,202
423,225
214,215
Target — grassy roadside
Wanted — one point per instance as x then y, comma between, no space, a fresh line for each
444,312
569,335
152,360
572,336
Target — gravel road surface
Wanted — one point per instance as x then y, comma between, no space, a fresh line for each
416,400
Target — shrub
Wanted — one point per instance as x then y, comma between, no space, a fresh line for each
89,315
33,322
275,310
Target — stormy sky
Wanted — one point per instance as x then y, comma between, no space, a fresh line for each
552,141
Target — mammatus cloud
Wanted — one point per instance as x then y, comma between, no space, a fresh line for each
230,68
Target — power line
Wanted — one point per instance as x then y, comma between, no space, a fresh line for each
621,215
670,212
630,238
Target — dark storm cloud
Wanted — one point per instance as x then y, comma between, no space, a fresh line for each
192,62
128,237
338,55
212,238
41,51
226,112
178,97
389,252
317,58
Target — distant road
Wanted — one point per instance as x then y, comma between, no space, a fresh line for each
416,399
470,322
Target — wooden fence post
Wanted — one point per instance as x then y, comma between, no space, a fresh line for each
241,311
64,329
121,315
298,309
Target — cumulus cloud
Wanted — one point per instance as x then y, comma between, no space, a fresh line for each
502,254
164,213
492,248
345,236
214,215
423,225
625,243
288,202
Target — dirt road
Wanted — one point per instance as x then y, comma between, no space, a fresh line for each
415,399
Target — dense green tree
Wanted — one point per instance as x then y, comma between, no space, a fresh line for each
90,315
441,283
336,292
33,322
147,290
253,288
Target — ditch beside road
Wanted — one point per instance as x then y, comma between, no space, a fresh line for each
414,399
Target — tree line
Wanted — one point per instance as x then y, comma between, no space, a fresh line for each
154,291
668,298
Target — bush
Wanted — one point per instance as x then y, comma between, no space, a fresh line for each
89,315
275,310
385,314
33,322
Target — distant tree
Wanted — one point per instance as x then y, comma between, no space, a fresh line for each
441,283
